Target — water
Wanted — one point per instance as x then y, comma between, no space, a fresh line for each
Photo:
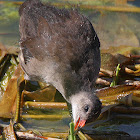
113,28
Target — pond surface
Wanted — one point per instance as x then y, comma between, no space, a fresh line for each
114,29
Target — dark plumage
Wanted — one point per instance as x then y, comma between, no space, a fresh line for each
60,47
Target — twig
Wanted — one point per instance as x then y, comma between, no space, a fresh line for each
50,105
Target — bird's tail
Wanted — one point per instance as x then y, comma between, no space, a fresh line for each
28,4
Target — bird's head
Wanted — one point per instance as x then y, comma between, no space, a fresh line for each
86,107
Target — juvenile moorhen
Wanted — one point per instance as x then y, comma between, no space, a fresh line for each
60,47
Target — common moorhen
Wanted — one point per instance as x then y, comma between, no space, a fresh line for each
60,47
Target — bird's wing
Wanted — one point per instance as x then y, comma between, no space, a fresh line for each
34,47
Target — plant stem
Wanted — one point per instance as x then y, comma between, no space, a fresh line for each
115,80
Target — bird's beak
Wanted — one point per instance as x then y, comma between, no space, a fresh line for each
79,123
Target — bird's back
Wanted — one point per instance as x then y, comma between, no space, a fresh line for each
61,39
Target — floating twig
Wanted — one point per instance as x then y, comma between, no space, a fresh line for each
50,105
48,117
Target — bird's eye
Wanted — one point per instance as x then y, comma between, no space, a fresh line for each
86,108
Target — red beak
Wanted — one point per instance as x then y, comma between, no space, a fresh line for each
79,123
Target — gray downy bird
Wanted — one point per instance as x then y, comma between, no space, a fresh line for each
60,47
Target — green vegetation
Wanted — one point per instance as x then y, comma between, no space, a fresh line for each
115,80
8,12
71,135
